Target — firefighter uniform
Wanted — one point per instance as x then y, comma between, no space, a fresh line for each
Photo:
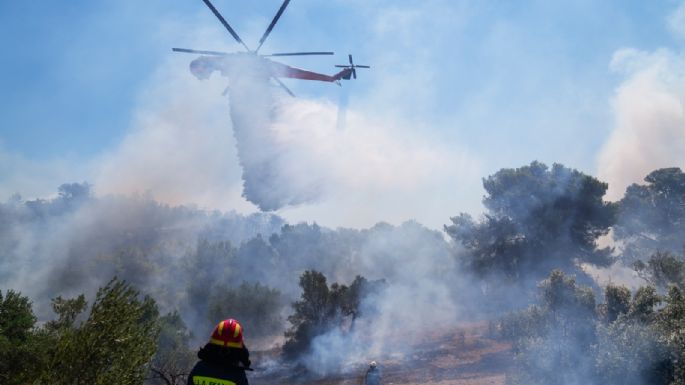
224,359
205,373
373,375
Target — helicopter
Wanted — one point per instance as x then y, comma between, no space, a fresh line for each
235,63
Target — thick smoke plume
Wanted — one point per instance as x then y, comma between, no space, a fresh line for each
186,258
419,293
649,131
75,243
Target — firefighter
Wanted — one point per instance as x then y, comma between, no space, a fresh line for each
224,359
373,374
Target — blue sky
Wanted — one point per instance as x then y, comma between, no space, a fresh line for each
502,83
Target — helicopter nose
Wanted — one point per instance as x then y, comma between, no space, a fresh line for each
199,69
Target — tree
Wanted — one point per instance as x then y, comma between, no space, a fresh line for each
113,345
310,313
16,316
173,358
210,265
21,356
257,257
651,217
571,307
671,325
67,310
628,352
663,269
617,300
554,351
566,339
642,306
322,308
537,219
74,192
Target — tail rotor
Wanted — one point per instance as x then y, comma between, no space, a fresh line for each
353,67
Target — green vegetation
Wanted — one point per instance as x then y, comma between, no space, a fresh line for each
650,217
565,338
537,219
662,270
21,349
113,344
173,360
322,308
256,306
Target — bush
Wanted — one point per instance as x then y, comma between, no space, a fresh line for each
322,308
566,339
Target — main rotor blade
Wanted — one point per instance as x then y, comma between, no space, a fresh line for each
201,52
225,23
273,22
349,66
280,83
300,53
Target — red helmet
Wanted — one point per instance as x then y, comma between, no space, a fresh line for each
228,333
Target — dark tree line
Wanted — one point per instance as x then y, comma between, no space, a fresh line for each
210,266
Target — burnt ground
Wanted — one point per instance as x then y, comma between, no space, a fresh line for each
461,356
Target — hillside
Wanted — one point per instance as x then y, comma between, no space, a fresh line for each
462,356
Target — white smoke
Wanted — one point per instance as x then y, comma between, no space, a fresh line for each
649,108
179,148
187,146
419,296
374,170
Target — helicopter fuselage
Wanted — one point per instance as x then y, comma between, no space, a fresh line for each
254,65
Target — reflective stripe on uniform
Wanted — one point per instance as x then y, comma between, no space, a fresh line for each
200,380
226,343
